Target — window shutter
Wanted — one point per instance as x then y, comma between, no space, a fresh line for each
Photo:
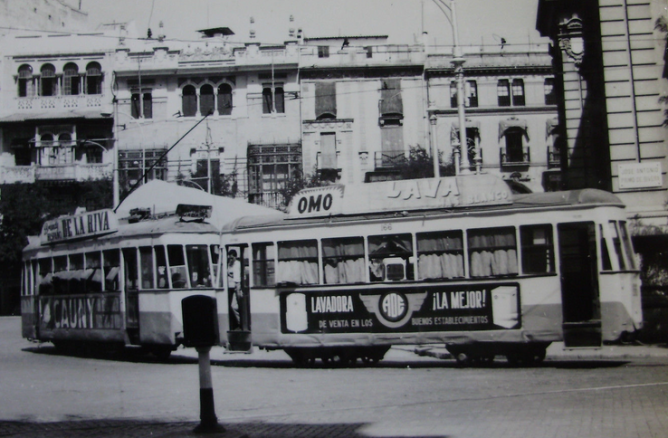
325,100
391,102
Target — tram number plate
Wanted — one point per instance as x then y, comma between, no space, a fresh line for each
385,227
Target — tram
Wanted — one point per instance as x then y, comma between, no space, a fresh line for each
92,279
459,261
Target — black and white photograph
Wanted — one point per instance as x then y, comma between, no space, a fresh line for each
334,218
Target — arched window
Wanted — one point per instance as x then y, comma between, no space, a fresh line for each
189,103
224,99
49,151
71,79
206,103
48,80
25,81
93,78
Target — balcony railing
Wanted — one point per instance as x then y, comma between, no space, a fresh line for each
515,158
56,103
553,157
56,172
390,159
327,161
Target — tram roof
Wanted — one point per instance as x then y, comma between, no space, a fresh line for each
519,202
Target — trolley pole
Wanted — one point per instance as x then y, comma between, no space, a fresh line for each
207,411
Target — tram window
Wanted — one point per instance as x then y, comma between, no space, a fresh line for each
616,242
45,276
146,265
628,247
199,265
343,260
440,255
537,249
298,262
391,257
161,264
112,267
177,266
60,275
93,273
263,264
605,254
492,251
75,276
131,278
215,257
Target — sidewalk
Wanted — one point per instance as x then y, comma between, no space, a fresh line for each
557,351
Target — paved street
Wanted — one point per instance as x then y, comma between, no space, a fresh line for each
262,395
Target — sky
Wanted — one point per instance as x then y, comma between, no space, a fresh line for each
479,21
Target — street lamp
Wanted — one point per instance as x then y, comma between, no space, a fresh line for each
458,62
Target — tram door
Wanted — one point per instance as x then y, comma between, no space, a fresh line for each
237,283
579,285
131,293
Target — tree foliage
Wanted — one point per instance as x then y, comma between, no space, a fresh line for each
419,164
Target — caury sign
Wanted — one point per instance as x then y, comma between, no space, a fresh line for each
80,312
83,225
387,196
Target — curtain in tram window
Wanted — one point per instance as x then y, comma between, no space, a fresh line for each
448,264
344,260
297,262
493,252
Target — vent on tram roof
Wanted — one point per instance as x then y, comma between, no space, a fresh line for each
139,214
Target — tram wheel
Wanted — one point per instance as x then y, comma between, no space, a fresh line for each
463,358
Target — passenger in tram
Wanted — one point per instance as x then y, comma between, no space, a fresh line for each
376,269
177,281
234,285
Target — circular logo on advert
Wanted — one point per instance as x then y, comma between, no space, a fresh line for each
393,306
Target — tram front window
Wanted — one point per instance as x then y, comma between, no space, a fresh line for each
177,266
199,265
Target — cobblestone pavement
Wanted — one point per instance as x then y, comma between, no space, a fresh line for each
130,428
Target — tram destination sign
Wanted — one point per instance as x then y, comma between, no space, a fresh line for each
79,226
387,196
412,309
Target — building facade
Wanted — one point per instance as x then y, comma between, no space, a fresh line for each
608,56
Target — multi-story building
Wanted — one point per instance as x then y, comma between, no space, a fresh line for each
52,126
511,112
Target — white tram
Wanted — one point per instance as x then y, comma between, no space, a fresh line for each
92,279
460,261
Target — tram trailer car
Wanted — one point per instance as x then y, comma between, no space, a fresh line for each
92,280
460,261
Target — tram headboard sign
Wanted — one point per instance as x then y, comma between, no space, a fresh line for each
79,226
413,194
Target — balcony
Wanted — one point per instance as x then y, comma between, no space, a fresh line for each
387,160
61,106
553,158
515,156
56,172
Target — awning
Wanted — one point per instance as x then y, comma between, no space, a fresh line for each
53,115
551,126
511,123
469,124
